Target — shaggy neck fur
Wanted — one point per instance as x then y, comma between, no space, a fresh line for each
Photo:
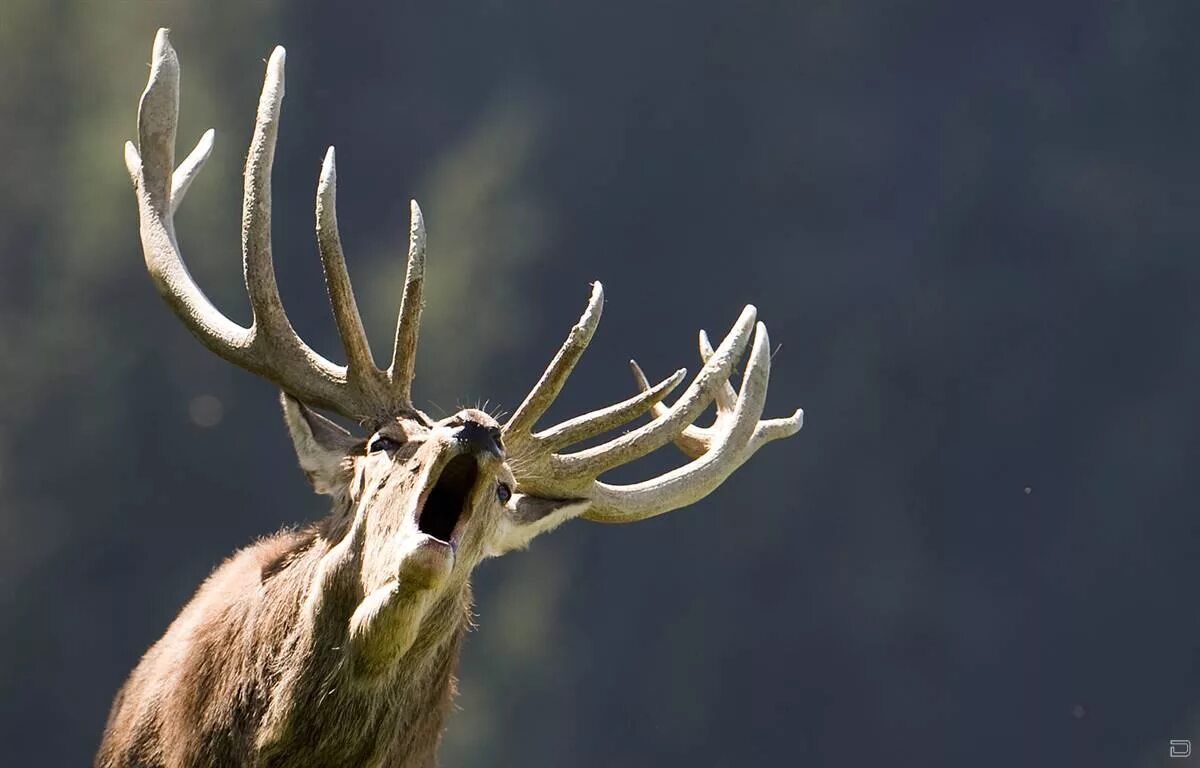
256,671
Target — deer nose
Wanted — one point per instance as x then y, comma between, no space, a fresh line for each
478,438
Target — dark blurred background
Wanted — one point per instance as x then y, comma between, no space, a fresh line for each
971,228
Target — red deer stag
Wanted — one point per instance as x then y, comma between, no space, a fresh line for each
336,644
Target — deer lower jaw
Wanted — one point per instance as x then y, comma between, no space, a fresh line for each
427,564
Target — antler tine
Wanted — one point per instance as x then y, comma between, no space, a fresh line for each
725,395
158,119
691,439
551,383
408,324
694,440
593,462
150,166
190,168
523,443
360,363
769,430
269,314
598,422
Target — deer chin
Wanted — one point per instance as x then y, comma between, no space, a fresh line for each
427,564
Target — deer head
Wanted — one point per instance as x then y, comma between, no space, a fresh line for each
419,502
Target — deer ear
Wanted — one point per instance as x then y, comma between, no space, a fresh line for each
321,446
527,516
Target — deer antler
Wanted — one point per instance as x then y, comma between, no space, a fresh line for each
270,347
716,451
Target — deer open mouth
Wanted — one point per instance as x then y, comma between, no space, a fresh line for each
448,501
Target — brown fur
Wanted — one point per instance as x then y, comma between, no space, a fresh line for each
241,651
277,661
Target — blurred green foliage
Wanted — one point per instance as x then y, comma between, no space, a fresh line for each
970,228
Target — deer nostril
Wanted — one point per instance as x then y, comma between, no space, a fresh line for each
480,439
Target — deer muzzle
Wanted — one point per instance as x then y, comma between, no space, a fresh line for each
468,452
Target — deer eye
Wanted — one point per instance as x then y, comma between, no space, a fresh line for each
383,443
503,492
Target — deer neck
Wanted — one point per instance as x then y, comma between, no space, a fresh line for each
413,700
398,712
433,657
